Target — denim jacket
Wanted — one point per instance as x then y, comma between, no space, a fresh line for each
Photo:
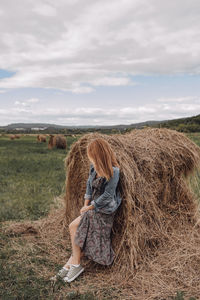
110,200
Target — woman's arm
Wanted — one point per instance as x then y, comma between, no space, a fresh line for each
86,202
109,192
88,194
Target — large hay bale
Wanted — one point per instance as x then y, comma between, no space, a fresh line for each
156,199
57,141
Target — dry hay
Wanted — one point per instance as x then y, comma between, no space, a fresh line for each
157,202
57,141
41,138
175,266
17,229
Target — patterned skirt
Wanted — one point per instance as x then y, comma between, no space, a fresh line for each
93,236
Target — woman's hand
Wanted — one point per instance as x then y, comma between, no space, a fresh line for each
84,209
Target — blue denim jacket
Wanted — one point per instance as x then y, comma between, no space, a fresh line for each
110,200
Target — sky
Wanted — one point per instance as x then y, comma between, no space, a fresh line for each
75,62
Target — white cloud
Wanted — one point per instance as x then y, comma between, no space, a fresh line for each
81,90
4,112
99,115
138,109
111,81
178,99
33,100
25,105
45,10
79,45
21,103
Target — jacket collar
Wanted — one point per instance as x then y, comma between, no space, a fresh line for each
92,170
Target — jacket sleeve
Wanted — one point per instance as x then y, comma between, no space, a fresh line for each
109,192
88,194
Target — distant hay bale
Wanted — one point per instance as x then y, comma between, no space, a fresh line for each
57,141
12,137
17,136
41,138
156,199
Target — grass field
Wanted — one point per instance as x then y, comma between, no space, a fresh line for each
31,179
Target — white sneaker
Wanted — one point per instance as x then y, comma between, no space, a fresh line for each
73,273
61,274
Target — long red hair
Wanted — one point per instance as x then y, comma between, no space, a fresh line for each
103,157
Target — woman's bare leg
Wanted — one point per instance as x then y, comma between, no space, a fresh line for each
76,250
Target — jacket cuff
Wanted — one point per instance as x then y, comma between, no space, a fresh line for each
89,197
95,207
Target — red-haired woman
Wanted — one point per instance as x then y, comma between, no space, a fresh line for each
91,231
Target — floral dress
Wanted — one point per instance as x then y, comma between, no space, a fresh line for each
93,234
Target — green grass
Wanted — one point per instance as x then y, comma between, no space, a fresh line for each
194,180
19,278
180,296
195,137
31,177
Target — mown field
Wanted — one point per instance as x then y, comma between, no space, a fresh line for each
32,180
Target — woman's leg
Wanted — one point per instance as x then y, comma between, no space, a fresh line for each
76,250
70,261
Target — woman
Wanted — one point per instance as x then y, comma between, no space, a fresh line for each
90,232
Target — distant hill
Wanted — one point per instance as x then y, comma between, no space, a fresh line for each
189,124
38,125
44,126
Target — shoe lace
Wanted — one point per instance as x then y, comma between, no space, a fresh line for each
71,270
62,272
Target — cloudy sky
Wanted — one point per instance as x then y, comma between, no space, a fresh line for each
75,62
